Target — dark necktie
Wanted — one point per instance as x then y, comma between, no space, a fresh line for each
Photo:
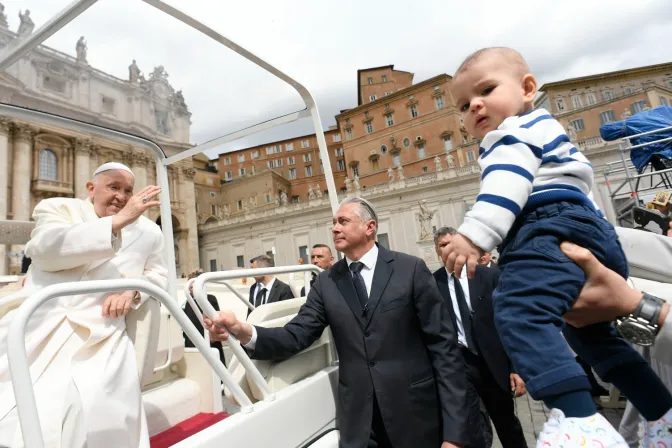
260,298
465,313
360,286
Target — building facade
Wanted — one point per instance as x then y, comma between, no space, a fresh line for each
39,161
405,150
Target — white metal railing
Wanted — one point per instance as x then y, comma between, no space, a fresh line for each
19,368
200,294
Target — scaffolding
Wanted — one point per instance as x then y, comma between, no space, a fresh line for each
622,173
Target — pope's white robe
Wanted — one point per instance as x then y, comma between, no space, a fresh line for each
79,359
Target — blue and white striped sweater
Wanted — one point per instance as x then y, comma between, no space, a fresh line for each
527,162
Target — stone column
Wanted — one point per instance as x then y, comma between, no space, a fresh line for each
4,175
189,194
139,168
182,251
82,167
22,171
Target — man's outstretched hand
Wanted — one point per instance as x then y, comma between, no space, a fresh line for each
461,251
224,323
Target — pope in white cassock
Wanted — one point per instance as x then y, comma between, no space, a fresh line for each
83,365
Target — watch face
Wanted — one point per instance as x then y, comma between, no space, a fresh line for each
636,333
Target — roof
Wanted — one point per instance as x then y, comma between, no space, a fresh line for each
629,71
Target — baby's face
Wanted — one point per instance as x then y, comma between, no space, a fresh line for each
487,92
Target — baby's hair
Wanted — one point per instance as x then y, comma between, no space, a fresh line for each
511,55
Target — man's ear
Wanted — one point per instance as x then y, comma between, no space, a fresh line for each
89,189
529,84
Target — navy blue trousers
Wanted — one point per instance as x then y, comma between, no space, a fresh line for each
539,284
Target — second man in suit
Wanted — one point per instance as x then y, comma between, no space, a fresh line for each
267,288
489,375
401,378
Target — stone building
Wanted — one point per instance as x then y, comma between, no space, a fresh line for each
39,161
431,189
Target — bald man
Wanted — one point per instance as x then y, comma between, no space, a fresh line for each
94,402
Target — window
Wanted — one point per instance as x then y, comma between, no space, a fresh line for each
424,169
370,80
627,90
213,195
348,134
560,103
213,265
384,78
338,152
383,149
292,174
447,143
271,163
413,110
577,124
347,122
375,166
576,101
396,159
162,123
305,144
48,165
303,253
369,127
372,98
355,170
389,119
255,154
439,102
421,151
406,142
296,199
241,172
340,164
336,138
239,203
663,101
289,146
309,170
307,157
228,175
227,160
291,161
240,261
607,116
241,158
608,95
213,209
108,105
383,240
590,97
470,156
57,85
267,198
278,163
638,107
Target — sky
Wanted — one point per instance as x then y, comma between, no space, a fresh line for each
322,44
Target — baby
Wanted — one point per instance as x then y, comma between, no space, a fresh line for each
536,193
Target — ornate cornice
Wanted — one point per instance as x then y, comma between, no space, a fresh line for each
189,173
24,132
83,146
6,125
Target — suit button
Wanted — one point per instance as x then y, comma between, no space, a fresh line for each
372,363
367,334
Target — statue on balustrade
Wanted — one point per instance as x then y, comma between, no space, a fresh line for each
311,193
283,198
27,25
348,184
400,172
437,164
450,161
356,183
134,73
390,174
81,49
318,191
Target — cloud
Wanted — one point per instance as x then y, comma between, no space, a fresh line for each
323,44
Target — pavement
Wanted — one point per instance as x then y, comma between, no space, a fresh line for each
533,414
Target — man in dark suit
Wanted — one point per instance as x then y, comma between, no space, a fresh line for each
401,378
191,314
489,375
321,257
267,288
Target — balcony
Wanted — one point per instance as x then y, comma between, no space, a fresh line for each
591,143
50,188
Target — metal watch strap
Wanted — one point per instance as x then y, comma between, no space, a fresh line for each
649,309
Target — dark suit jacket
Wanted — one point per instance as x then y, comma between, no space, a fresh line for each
188,310
404,350
312,282
279,291
480,294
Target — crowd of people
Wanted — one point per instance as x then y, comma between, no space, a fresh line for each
422,354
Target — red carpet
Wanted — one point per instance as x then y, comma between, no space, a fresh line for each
185,429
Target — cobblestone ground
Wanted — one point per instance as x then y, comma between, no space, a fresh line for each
533,414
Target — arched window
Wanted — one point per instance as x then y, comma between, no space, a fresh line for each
48,165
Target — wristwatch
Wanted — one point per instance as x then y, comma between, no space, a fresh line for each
641,327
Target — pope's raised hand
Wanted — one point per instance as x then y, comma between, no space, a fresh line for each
138,204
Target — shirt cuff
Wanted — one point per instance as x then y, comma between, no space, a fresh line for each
253,340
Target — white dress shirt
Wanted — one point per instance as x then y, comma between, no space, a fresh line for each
261,287
464,283
369,261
